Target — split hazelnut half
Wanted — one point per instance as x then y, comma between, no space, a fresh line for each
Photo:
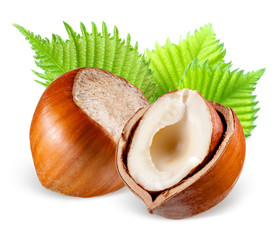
182,155
75,129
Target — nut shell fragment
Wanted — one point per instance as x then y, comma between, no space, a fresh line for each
206,187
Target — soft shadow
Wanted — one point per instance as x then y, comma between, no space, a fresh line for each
131,203
116,193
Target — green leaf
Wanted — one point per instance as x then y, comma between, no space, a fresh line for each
170,61
196,62
230,88
95,49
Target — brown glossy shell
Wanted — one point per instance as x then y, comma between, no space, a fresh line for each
72,153
205,188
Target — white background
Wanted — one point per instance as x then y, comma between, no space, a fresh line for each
251,33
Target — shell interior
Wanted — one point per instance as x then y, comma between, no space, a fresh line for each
154,199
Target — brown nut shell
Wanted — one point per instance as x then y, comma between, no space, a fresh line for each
74,154
202,190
